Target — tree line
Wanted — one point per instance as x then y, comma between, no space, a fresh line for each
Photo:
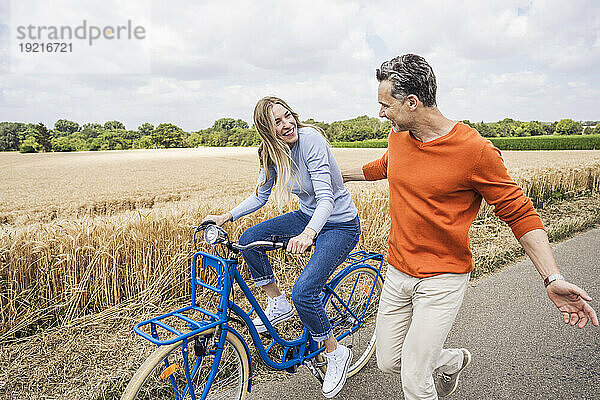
112,135
509,127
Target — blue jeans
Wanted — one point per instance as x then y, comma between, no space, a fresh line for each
331,247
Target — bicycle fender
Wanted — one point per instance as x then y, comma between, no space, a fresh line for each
338,277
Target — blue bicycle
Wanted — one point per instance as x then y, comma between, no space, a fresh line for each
202,356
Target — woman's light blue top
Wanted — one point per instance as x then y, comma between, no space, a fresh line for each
318,183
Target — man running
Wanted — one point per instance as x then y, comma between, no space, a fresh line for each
438,172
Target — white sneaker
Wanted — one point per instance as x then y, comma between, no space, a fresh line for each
338,362
278,310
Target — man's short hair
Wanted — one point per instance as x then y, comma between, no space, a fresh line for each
410,74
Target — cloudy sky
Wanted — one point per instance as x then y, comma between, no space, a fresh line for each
201,60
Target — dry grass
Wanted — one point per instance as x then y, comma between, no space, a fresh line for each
93,357
96,265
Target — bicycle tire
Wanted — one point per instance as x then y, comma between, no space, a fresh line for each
362,340
231,381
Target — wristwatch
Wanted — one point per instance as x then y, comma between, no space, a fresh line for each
553,278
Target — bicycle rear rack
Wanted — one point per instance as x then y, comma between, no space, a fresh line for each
362,256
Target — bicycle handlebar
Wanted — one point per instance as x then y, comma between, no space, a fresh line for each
260,243
274,243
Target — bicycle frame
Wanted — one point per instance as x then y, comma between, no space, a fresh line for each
303,347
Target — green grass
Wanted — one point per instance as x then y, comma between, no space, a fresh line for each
574,142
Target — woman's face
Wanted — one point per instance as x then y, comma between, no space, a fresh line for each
285,124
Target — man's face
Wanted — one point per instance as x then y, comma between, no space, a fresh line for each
391,108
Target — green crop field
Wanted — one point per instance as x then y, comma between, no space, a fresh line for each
574,142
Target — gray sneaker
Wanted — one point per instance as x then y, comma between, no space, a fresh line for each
445,384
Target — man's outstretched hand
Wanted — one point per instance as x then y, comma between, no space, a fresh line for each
572,302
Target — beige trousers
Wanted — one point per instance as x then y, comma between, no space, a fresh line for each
414,318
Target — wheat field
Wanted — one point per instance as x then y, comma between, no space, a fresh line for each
45,186
82,232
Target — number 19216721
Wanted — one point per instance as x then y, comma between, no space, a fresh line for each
46,47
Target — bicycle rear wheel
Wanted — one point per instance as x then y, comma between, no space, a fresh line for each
354,289
159,378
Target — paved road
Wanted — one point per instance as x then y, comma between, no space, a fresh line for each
521,348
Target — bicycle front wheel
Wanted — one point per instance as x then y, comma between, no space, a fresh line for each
162,375
359,290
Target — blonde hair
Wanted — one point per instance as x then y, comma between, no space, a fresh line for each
274,151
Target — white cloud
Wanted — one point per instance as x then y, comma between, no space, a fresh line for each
519,58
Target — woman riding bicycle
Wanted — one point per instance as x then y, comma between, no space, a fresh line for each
296,158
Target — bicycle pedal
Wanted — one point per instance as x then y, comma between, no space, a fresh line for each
312,367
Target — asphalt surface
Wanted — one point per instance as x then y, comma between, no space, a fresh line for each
521,348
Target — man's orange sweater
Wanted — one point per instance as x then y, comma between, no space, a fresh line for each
435,193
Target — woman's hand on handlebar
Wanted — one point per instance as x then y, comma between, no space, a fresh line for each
299,244
219,219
